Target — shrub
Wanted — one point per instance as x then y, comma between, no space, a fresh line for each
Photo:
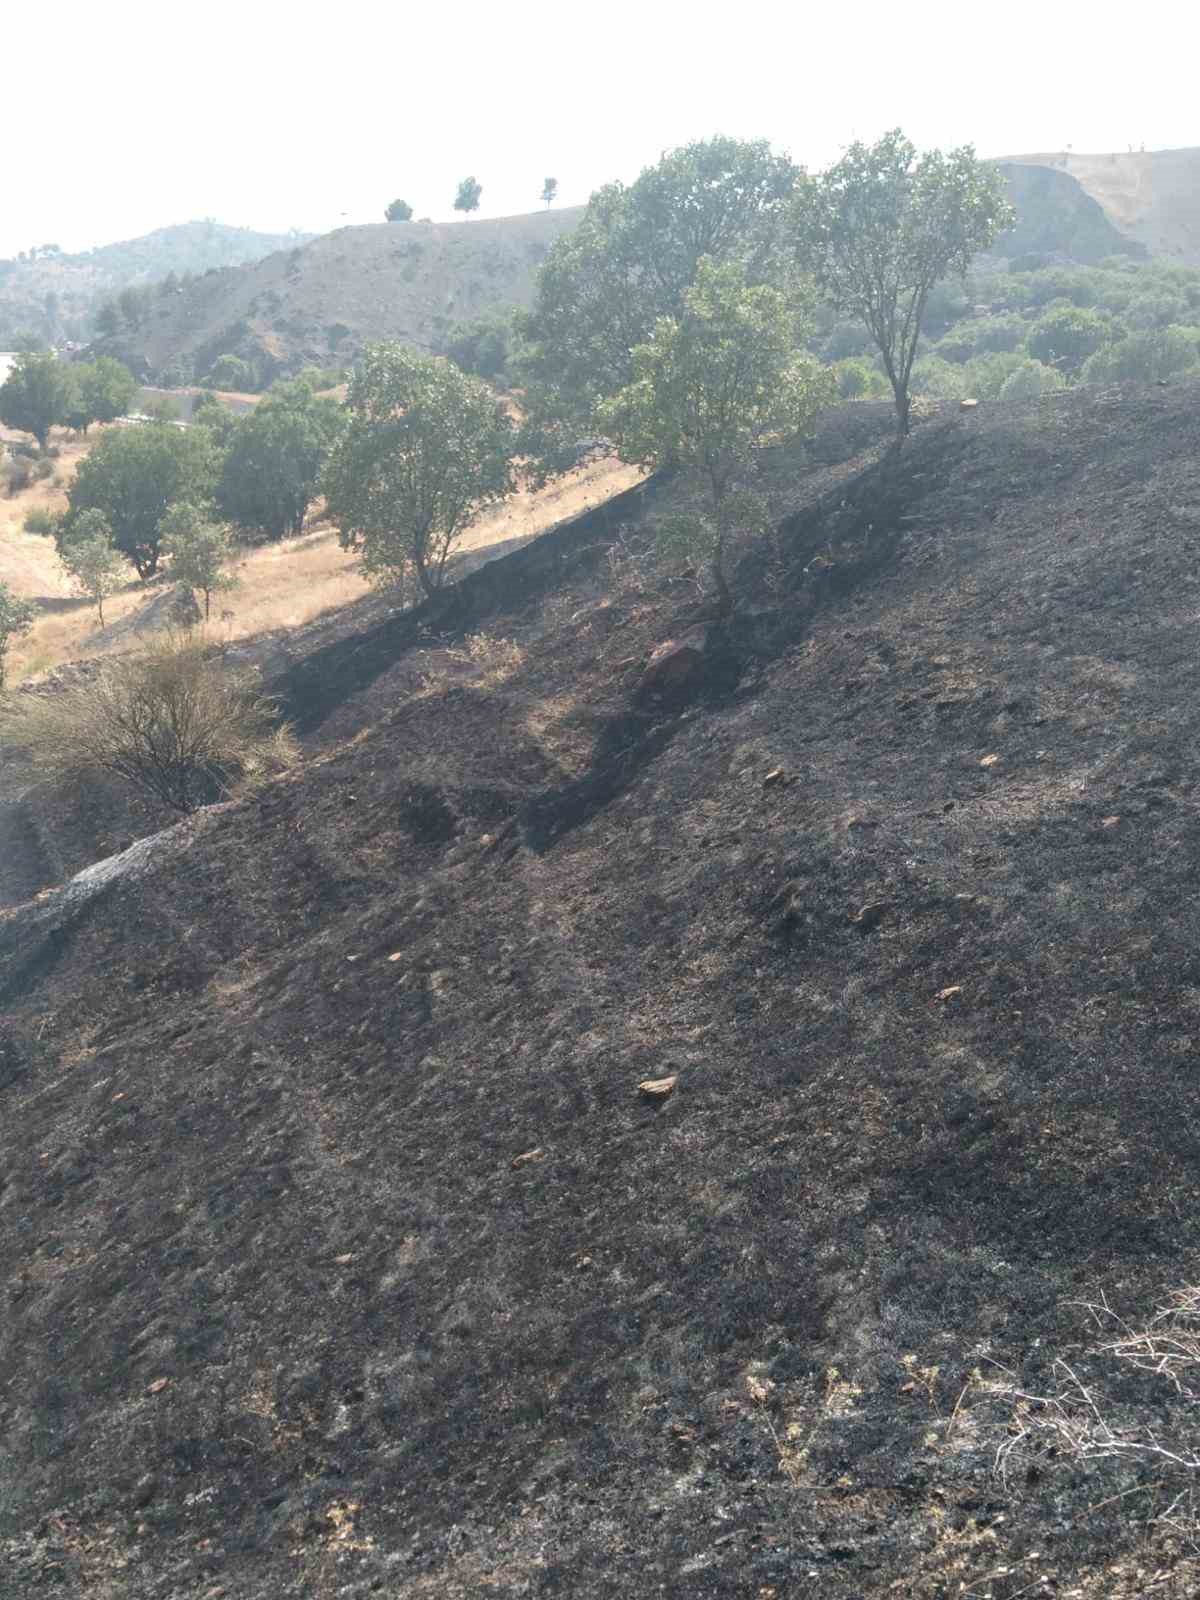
939,379
43,522
860,380
16,618
174,721
17,474
1145,357
986,375
1030,380
1066,336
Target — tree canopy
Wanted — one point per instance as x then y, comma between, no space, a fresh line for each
198,548
399,211
274,461
16,618
549,191
426,449
92,563
37,394
468,196
711,385
880,228
634,255
133,475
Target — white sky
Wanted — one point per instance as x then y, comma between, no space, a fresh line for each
127,115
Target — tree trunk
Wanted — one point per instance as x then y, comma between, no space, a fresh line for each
720,582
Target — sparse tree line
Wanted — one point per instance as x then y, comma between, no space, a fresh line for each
466,199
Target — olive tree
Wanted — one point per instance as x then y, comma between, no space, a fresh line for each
273,463
399,211
95,567
883,225
199,549
133,475
468,196
632,258
37,394
426,449
711,386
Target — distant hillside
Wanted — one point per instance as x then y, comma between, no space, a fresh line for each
320,303
53,295
1149,198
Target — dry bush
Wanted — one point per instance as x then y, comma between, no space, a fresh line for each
1081,1422
174,720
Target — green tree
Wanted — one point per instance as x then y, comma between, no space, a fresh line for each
883,226
108,389
711,385
1065,336
426,449
399,211
17,616
230,373
549,191
1148,357
480,347
1030,381
37,394
198,548
634,255
275,458
92,563
468,196
133,475
219,421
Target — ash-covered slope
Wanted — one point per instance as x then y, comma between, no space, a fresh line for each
341,1253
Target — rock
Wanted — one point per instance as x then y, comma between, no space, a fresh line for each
145,1489
989,761
526,1157
658,1088
951,992
967,405
676,667
777,775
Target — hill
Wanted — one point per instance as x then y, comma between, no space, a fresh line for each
319,304
53,295
1150,197
342,1253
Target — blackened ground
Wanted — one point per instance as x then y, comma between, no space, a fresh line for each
905,896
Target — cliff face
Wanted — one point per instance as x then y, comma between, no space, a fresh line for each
1150,198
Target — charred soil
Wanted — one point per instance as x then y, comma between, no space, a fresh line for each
340,1252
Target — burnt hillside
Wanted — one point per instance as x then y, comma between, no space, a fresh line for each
340,1252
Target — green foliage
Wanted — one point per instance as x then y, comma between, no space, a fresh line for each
199,549
134,474
160,408
711,385
427,448
91,562
982,335
634,255
938,379
216,418
987,374
481,347
173,721
275,458
846,340
36,395
1065,336
883,226
108,389
1145,357
468,196
1031,380
232,374
399,211
858,379
549,191
17,616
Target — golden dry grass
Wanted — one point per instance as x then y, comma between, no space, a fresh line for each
279,586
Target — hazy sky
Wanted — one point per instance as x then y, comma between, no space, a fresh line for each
126,115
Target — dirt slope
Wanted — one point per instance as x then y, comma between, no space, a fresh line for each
1151,196
321,302
341,1254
